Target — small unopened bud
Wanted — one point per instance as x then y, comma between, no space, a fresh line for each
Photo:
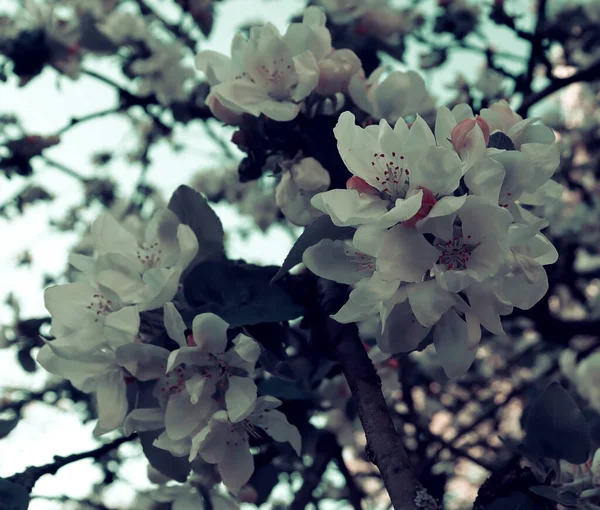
335,72
427,203
239,138
383,23
460,136
360,185
221,112
248,494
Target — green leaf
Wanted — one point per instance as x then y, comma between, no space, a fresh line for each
6,426
516,501
239,293
556,428
193,210
321,228
13,496
501,141
556,494
177,468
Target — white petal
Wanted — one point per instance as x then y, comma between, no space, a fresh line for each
402,332
140,420
450,338
210,332
429,302
405,255
328,259
237,466
110,237
276,424
182,417
174,324
240,397
444,123
403,210
246,348
349,207
122,327
188,245
144,361
111,393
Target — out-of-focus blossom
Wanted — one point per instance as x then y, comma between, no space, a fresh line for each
399,94
300,181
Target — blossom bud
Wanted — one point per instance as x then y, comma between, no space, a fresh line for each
427,203
460,136
383,23
221,112
303,181
336,70
239,139
360,185
248,494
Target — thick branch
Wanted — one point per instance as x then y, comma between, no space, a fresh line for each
384,445
592,73
30,476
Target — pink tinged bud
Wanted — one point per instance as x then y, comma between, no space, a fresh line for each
239,138
190,341
460,135
360,185
427,203
221,112
485,128
383,23
335,72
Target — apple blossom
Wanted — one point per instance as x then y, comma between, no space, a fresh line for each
399,94
301,180
212,370
404,168
269,73
142,271
225,443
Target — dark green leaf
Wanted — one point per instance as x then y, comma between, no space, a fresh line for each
501,141
193,210
283,390
556,494
321,228
176,468
6,426
26,360
516,501
556,428
239,293
13,496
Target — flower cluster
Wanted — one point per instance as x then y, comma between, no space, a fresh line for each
204,390
207,398
443,241
96,319
272,74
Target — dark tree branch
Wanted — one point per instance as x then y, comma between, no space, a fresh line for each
592,73
384,445
312,476
30,476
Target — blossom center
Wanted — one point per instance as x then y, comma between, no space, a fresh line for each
391,175
101,306
276,78
149,254
455,253
362,261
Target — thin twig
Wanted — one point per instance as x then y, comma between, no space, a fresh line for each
79,120
592,73
30,476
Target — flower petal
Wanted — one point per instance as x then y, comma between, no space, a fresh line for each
240,397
